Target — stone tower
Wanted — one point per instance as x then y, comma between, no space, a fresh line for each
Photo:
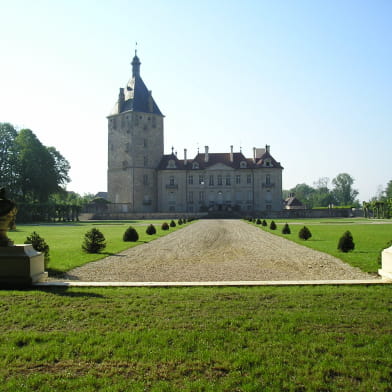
135,146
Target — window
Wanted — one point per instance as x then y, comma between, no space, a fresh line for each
248,179
243,165
195,165
227,180
219,180
190,180
171,180
211,180
268,179
201,180
171,164
190,197
250,196
145,161
201,196
154,122
172,197
238,179
144,142
145,179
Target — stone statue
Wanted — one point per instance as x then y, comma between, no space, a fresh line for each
7,218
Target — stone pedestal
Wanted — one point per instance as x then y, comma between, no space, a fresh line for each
386,264
21,265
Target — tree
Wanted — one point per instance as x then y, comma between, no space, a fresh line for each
94,241
304,193
343,191
322,195
42,170
346,242
304,233
8,159
388,190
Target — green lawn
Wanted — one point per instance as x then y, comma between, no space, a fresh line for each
369,238
65,240
322,338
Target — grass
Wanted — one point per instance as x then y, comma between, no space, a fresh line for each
65,240
325,338
369,238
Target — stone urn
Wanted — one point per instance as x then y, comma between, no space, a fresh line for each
7,218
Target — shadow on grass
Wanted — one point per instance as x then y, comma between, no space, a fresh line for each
68,292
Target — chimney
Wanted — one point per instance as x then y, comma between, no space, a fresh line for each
267,148
206,155
185,159
254,154
231,154
121,99
150,102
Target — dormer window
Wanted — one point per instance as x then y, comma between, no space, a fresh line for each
195,165
243,165
268,163
171,164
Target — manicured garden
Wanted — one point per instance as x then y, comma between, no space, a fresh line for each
65,240
370,237
325,338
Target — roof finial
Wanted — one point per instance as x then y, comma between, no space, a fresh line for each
136,48
172,150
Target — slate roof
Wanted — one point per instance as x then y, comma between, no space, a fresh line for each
292,201
216,158
137,95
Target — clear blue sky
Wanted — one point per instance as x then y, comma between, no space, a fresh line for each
310,78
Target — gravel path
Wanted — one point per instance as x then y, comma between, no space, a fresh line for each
217,250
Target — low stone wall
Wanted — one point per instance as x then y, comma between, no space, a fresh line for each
145,215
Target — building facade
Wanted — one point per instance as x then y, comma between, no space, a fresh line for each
142,179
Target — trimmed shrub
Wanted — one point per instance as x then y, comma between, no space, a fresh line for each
173,224
273,225
258,221
130,235
304,233
180,221
165,226
286,229
39,245
346,243
264,223
94,241
151,229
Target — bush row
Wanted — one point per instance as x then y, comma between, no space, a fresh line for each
94,241
345,243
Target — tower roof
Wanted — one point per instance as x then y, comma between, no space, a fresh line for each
135,96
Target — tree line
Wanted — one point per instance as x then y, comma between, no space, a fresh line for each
321,194
35,176
379,206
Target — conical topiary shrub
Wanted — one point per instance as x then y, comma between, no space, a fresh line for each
273,225
94,241
151,229
286,229
130,235
264,223
180,221
304,233
258,221
346,242
39,245
173,224
165,226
